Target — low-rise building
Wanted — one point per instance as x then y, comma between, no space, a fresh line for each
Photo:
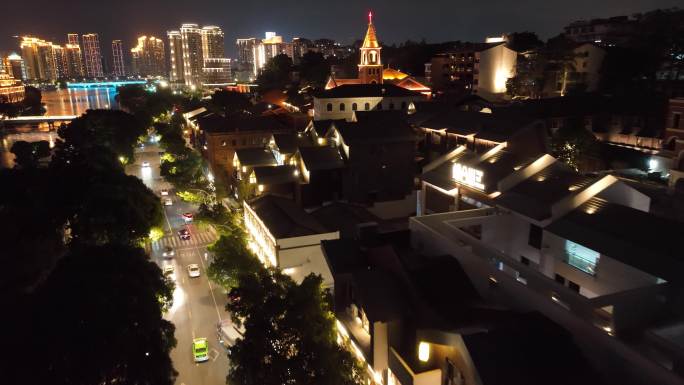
342,101
283,235
220,137
480,68
583,250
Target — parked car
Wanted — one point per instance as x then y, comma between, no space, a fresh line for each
169,272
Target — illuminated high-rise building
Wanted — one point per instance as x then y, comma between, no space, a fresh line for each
193,57
74,61
212,43
176,72
118,57
72,38
60,64
15,66
273,45
92,55
245,50
148,57
38,58
216,72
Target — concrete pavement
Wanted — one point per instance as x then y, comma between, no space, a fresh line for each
198,305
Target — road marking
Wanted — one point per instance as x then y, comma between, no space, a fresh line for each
211,290
167,220
216,354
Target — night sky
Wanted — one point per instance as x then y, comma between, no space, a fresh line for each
343,20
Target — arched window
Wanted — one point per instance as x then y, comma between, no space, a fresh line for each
342,107
354,107
391,106
367,106
329,107
403,105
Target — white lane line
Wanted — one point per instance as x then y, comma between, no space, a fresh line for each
167,220
211,290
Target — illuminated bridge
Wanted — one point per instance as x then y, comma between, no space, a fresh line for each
49,119
105,84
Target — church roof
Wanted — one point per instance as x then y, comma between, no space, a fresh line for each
392,74
371,40
365,91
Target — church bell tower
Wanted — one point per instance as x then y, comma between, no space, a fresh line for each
370,68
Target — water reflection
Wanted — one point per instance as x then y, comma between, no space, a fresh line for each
57,102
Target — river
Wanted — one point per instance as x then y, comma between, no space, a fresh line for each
57,102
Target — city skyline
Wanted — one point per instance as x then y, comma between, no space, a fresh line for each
467,22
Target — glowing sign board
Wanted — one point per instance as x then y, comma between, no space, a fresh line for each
468,176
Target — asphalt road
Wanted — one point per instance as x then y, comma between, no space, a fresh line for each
198,305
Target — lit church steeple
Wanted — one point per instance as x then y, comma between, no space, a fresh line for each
370,68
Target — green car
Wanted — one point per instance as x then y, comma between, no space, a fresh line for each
200,349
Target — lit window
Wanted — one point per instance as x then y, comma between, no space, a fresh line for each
424,351
252,178
581,257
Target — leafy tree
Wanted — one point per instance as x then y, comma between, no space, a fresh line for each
314,69
231,258
572,142
27,154
289,334
113,208
32,103
276,73
105,322
185,172
115,130
32,221
229,102
524,41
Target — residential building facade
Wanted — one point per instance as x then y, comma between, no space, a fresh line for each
148,57
92,55
118,58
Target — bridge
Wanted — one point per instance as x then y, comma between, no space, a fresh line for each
105,84
49,119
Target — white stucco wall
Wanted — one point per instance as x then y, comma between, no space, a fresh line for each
321,112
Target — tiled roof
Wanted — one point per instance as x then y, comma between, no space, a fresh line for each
216,123
376,126
366,90
253,157
283,218
269,175
321,158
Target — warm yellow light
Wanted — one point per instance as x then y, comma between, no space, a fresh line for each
321,141
500,78
261,188
424,351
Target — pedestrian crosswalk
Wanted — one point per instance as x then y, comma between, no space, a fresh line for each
201,238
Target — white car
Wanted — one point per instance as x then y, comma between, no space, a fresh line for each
169,272
146,164
164,192
193,270
168,202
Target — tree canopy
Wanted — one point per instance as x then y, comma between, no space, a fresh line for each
289,334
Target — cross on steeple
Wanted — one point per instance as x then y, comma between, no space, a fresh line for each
370,17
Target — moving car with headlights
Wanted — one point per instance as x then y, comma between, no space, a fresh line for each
193,270
200,349
168,202
168,252
164,192
187,217
146,164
